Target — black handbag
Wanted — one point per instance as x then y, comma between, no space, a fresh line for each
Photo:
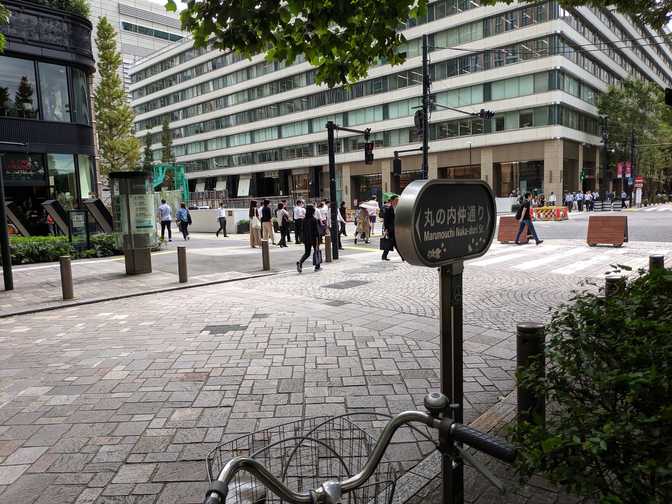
317,257
386,243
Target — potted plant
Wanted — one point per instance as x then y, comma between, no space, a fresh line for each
243,226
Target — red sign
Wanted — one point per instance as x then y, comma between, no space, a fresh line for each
639,182
628,169
619,169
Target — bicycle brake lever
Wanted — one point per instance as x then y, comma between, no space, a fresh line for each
483,470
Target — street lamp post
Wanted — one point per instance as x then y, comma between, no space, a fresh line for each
605,170
426,86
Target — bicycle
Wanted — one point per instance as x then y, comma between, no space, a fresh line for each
278,446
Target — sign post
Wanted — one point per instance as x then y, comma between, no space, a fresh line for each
441,223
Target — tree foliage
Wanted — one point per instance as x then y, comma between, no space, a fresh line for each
341,39
166,143
4,19
608,384
119,149
148,155
639,107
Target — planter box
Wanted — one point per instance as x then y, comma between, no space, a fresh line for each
243,227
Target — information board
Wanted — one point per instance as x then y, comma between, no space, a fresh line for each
442,221
78,228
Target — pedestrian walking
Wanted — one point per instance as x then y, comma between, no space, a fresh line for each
551,199
389,240
624,197
183,218
588,201
311,238
255,225
569,201
165,218
524,216
579,200
283,221
373,213
363,225
299,215
267,222
221,217
288,235
342,220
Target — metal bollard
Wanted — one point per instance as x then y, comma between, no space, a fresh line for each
656,262
265,255
327,248
182,263
614,285
66,277
530,349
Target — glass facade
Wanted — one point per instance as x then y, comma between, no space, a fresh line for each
18,96
54,89
62,179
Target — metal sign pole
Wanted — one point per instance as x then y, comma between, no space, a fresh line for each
450,292
4,237
332,189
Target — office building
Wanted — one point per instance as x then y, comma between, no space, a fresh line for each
143,27
46,137
254,128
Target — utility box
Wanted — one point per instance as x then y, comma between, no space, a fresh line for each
133,218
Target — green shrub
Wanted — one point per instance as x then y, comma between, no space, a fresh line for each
34,249
104,245
608,383
80,7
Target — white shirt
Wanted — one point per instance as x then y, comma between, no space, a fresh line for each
165,212
221,212
299,212
551,198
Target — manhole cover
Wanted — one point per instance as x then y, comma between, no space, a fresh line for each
223,329
347,284
336,302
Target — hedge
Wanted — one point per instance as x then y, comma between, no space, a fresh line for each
35,249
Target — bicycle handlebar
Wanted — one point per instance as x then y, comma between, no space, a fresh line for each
461,433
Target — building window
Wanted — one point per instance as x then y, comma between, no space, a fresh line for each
18,96
85,176
81,93
526,119
62,179
54,89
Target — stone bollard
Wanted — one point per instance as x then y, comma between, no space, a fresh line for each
656,262
265,255
530,349
66,277
182,263
614,285
327,248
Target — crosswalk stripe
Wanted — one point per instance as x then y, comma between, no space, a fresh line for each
528,265
524,253
593,261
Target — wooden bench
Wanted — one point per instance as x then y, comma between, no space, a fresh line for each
612,230
508,228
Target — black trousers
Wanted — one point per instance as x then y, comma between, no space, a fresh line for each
343,228
307,249
165,224
298,230
284,233
184,227
222,226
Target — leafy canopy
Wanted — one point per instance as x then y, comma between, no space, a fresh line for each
340,38
608,386
119,149
4,19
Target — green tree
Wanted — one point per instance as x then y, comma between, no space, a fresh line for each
4,19
23,99
166,143
341,39
148,155
638,107
119,149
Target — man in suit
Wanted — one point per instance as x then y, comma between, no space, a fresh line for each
388,226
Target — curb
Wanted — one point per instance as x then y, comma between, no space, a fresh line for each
416,479
132,295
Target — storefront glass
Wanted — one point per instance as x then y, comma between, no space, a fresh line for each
81,93
524,176
62,179
17,88
85,176
461,172
54,89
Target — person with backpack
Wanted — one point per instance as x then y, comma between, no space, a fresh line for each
311,238
283,221
183,218
524,216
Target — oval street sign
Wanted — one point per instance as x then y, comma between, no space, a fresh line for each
442,221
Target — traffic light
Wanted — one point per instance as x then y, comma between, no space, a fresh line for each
668,97
419,120
486,114
396,165
368,153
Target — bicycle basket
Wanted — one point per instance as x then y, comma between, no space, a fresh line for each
304,454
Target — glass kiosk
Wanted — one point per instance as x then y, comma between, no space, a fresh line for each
133,219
